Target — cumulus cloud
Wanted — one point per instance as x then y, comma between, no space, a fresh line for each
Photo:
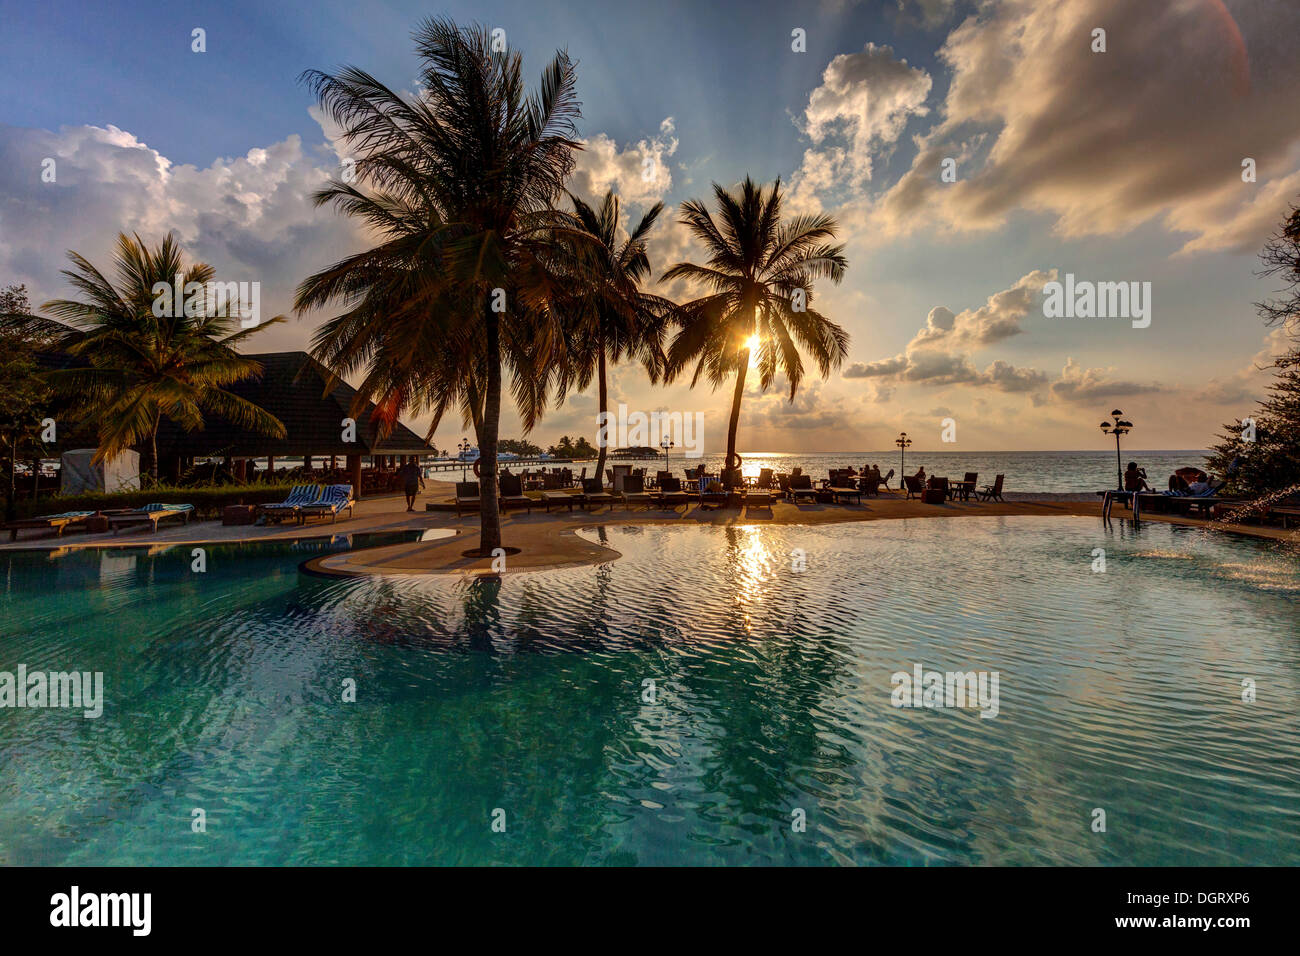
1248,384
1079,384
864,99
1090,139
933,356
250,217
812,409
866,96
639,173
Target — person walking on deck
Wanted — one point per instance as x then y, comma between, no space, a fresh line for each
412,482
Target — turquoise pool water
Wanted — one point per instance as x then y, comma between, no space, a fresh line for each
1119,690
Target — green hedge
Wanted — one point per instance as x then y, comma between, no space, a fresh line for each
207,501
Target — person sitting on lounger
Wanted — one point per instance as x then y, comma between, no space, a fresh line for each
920,475
1199,487
1135,478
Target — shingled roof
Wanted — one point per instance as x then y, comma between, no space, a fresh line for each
292,387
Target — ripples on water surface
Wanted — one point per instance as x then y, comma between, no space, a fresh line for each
1118,690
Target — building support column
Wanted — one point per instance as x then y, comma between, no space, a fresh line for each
354,471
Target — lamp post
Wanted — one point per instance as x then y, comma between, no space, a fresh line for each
1117,427
464,447
666,444
902,441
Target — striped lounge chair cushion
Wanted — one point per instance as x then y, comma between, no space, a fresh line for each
335,498
299,495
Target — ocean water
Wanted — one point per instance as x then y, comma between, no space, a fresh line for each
1026,471
688,703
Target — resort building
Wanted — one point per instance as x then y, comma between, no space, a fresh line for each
316,413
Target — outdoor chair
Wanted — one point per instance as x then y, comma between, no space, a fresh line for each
594,494
58,523
333,500
994,491
801,487
151,514
299,495
467,497
511,493
634,492
714,495
670,492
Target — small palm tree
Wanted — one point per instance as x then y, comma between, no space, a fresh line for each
142,366
759,276
610,317
459,188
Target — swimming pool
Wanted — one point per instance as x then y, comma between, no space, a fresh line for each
768,733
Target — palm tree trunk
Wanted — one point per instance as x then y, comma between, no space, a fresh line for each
603,389
153,450
489,515
734,424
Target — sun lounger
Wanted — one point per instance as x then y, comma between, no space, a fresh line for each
1184,501
845,491
512,493
299,495
467,497
1287,513
151,514
561,498
56,523
593,493
761,493
670,492
1203,503
634,492
714,495
914,485
801,487
334,499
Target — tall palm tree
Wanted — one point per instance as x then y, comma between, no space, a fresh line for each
460,185
759,278
142,366
611,318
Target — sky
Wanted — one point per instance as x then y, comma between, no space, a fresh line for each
972,154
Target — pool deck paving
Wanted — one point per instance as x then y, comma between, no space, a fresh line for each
548,541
